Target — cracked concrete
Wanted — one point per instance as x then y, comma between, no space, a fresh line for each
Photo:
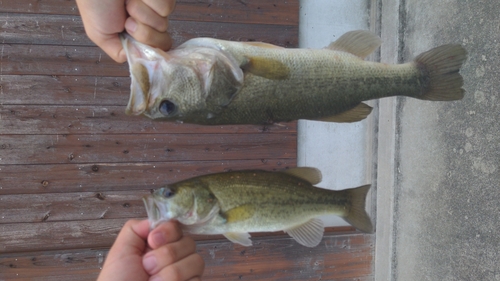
447,173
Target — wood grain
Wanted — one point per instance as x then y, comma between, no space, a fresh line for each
117,148
49,119
61,235
19,59
76,206
38,179
282,12
338,257
64,90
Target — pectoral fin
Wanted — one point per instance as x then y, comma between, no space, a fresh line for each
308,234
241,238
360,43
358,113
312,175
266,67
239,213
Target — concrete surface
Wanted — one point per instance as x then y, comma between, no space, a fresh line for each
446,169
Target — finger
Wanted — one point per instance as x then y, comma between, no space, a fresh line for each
168,254
131,239
185,269
147,35
161,7
113,47
103,20
167,232
144,14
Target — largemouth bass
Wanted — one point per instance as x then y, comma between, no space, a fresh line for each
210,82
236,203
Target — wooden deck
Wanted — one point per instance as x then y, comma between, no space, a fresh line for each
73,166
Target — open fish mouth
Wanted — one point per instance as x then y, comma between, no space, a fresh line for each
143,62
153,211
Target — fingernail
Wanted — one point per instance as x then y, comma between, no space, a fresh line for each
130,25
149,263
159,239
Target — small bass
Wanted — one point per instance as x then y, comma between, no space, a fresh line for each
239,202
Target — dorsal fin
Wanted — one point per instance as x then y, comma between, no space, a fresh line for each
360,43
312,175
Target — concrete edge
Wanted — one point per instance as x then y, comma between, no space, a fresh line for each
386,149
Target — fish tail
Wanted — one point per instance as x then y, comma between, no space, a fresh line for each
441,66
357,215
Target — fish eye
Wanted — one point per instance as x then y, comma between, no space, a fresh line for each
167,192
167,108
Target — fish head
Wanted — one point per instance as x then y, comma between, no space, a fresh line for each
189,203
187,83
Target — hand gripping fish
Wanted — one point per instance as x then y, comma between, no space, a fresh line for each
212,82
239,202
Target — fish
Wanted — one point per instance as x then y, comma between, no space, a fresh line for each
237,203
216,82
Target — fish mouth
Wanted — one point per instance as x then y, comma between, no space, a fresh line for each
143,61
154,212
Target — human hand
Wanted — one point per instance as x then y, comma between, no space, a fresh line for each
162,254
145,20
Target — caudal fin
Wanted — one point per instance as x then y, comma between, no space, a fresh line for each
357,215
442,65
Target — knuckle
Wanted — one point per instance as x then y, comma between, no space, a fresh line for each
132,7
200,261
170,253
174,273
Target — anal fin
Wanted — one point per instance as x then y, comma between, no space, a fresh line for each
242,238
308,234
358,113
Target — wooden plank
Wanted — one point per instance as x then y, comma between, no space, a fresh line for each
37,179
64,90
281,35
43,29
58,60
338,257
280,12
46,119
69,265
23,237
69,31
53,7
52,149
72,206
